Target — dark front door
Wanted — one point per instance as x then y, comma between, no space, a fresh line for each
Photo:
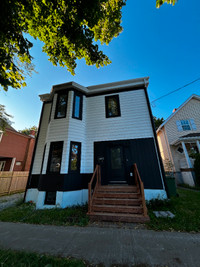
115,165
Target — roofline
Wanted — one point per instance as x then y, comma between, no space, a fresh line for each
181,106
21,134
90,90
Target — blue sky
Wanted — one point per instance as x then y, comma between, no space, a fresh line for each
163,44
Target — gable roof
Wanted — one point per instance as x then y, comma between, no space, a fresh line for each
181,106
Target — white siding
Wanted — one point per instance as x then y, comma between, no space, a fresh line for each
41,139
134,121
190,111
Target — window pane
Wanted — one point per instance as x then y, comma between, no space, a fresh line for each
112,107
74,157
61,106
55,157
77,106
116,160
185,125
50,198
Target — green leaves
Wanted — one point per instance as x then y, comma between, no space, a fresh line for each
160,2
69,30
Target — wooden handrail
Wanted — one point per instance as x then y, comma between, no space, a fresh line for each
140,185
97,174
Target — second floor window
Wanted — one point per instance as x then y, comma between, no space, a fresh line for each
77,106
61,106
112,106
186,125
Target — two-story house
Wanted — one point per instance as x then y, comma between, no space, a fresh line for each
179,137
108,124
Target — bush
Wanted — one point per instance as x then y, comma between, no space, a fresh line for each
158,203
197,168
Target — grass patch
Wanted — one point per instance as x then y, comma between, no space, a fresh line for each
26,213
186,209
22,259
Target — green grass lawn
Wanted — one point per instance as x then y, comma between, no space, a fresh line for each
10,258
186,209
26,213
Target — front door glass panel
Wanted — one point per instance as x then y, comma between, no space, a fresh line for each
116,158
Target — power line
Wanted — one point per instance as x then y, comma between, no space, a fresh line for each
153,102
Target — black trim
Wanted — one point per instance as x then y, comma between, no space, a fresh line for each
107,92
156,141
52,144
34,151
118,106
60,182
78,157
62,92
80,108
50,111
43,158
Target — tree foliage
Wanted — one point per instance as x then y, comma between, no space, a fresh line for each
28,131
158,121
4,118
160,2
69,30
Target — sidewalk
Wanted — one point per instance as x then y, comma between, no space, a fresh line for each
104,245
10,200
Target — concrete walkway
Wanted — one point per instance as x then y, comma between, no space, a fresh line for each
9,201
105,245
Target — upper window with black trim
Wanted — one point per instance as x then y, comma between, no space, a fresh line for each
77,106
61,105
55,157
75,157
112,106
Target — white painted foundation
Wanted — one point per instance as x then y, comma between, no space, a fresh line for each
32,195
154,193
188,178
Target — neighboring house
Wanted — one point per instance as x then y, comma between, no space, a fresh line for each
179,137
110,124
16,150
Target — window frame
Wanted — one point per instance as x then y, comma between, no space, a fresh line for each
79,157
46,195
57,102
118,106
80,108
188,124
50,157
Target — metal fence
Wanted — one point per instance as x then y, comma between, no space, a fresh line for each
13,182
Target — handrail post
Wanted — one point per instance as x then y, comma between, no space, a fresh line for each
90,195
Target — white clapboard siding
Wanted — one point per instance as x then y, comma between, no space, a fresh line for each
134,122
190,110
41,139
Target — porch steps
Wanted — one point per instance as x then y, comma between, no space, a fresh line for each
117,204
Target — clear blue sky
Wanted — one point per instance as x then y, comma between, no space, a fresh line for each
161,43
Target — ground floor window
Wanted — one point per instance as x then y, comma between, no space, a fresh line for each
50,198
74,157
55,157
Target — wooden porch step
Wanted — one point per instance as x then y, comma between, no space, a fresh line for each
116,201
117,195
118,209
123,189
123,217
